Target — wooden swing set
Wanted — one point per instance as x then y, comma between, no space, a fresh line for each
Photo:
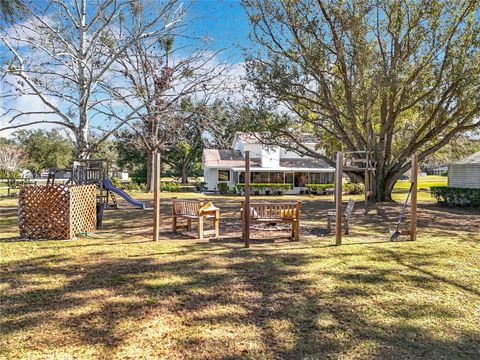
362,161
358,161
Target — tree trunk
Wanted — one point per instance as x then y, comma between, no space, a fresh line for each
150,170
83,125
185,170
81,137
383,187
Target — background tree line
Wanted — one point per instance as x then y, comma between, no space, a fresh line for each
214,127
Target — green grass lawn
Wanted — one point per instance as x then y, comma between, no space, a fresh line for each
115,294
424,182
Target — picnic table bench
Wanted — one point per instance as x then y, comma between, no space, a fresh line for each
270,212
195,210
331,217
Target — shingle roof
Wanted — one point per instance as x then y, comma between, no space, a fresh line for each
304,163
227,158
472,159
234,158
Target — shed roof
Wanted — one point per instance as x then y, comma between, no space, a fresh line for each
469,160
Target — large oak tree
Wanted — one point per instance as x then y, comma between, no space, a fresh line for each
391,77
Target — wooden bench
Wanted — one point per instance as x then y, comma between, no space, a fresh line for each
274,213
192,210
331,216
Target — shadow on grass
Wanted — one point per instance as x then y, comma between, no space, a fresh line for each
293,317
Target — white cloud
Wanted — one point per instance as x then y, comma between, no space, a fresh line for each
25,103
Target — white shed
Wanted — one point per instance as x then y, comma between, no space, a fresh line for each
465,173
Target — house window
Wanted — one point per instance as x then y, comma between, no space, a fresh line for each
301,179
223,175
320,178
259,177
289,178
277,177
241,178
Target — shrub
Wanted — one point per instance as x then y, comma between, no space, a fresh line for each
170,186
116,182
222,188
326,189
9,174
199,186
258,188
452,196
353,189
140,175
320,189
134,186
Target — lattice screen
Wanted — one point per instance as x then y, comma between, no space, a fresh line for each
56,212
83,209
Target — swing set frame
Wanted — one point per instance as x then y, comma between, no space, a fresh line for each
362,161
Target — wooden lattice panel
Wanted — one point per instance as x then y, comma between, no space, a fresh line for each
83,209
56,212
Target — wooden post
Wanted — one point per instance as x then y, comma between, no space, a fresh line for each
216,223
246,209
413,200
338,198
156,197
367,186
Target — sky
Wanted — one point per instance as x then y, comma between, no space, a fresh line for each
224,22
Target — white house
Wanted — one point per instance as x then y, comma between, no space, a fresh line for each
268,164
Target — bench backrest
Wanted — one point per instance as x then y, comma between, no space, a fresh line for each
186,207
274,210
349,208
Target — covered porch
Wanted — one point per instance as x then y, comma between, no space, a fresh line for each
297,178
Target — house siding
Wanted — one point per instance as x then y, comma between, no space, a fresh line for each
464,176
263,159
211,178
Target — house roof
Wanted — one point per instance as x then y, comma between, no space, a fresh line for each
304,163
225,158
472,159
214,158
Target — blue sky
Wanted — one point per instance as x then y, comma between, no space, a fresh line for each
225,22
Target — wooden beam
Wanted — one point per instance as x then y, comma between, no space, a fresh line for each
338,198
413,200
246,209
156,197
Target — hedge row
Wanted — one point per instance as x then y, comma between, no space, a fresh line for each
320,189
454,196
348,188
266,186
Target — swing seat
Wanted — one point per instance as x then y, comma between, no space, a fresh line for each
331,217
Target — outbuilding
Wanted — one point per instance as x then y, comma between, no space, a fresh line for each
465,173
